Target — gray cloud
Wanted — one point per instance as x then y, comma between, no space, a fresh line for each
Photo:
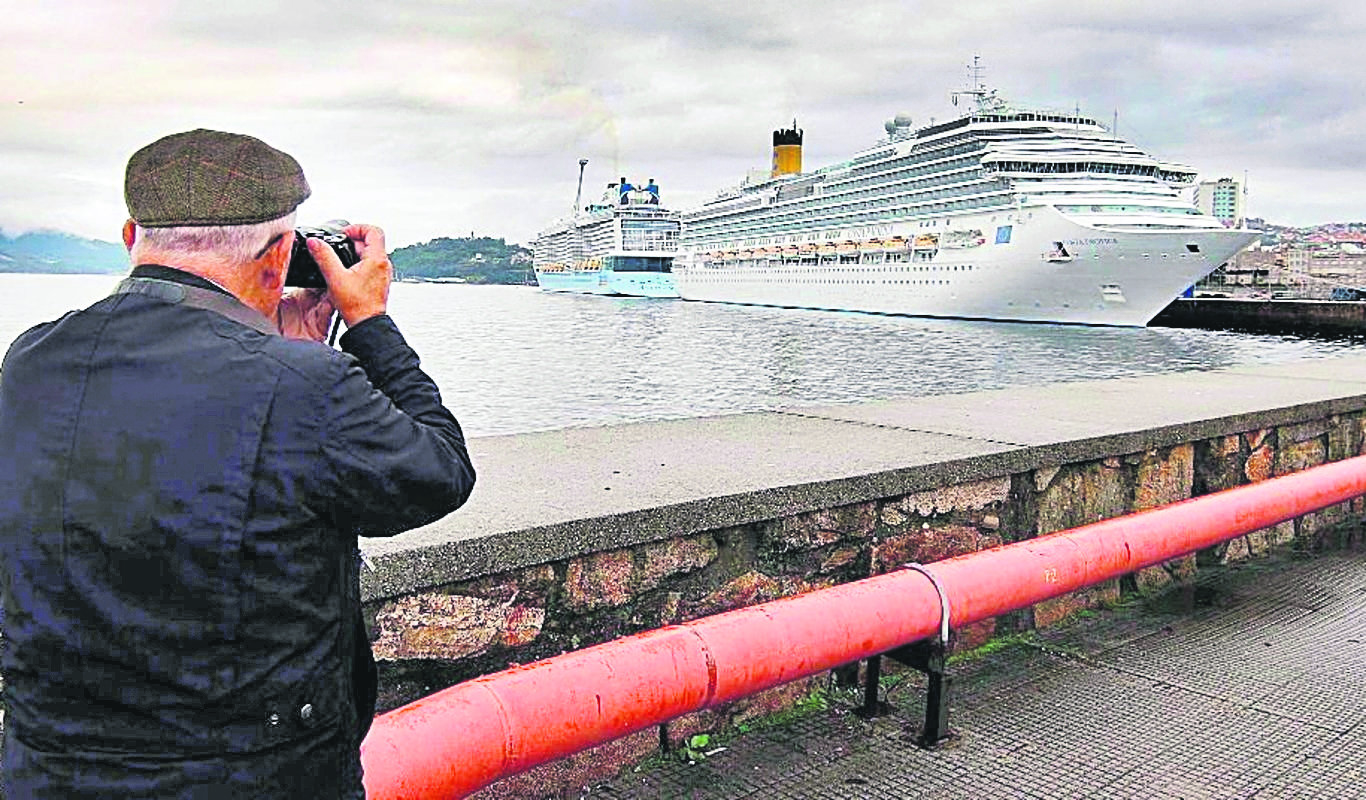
434,117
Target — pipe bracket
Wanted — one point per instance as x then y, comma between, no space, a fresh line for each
944,610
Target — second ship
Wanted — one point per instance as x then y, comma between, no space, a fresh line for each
622,245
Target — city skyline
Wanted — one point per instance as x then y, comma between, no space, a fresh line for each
440,119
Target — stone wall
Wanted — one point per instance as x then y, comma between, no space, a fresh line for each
432,639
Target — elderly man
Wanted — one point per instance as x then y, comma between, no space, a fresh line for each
181,491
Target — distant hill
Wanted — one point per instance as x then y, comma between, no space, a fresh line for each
47,251
473,260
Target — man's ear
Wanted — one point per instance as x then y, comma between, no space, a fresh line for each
277,262
130,234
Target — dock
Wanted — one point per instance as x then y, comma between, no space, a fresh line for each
1321,317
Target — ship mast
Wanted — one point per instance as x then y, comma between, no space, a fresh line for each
578,195
979,92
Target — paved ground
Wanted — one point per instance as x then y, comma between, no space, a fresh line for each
1251,684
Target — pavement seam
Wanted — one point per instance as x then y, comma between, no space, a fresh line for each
885,426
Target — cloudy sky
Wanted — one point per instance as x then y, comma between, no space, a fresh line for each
442,117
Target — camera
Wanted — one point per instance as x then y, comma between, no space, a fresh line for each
303,270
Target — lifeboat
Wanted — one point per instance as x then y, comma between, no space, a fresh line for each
827,249
871,246
894,244
926,241
847,248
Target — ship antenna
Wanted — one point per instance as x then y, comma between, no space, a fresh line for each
578,195
978,91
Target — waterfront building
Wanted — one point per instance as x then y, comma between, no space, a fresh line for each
1222,199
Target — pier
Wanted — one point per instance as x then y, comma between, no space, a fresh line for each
1326,317
580,536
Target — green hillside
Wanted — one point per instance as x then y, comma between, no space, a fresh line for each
478,259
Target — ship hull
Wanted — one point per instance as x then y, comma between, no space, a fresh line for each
1105,277
607,282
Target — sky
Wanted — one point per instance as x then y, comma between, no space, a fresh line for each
434,118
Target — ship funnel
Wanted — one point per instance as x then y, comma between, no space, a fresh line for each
787,151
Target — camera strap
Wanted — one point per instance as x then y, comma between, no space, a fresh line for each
182,294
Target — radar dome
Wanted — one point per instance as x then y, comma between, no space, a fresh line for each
890,126
902,120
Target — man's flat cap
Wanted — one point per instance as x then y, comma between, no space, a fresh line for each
204,177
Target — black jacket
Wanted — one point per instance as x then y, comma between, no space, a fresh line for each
180,496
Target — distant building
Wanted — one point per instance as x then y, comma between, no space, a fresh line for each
1222,199
1321,269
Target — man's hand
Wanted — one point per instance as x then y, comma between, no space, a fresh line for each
305,314
361,292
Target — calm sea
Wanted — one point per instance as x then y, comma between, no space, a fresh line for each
512,358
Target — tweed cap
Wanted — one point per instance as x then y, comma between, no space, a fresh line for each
205,177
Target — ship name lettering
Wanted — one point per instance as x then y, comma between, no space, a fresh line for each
1103,240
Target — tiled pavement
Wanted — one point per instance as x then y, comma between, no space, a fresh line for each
1250,685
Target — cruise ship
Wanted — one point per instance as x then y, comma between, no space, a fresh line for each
1005,213
624,244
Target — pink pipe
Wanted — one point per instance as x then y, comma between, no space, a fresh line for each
465,737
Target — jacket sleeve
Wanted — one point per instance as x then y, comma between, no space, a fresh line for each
398,455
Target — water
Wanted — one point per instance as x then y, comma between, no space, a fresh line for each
511,359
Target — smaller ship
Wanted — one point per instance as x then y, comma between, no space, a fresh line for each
622,245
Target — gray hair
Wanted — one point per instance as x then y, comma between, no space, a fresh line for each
237,243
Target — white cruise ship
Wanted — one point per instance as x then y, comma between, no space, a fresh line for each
622,245
1004,213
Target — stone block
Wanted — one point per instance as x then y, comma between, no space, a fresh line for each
670,609
1225,446
531,585
1344,437
1218,465
1050,612
827,526
959,497
930,543
841,557
892,517
660,560
1256,438
1298,432
973,636
1165,478
445,626
1260,542
1043,477
1083,494
598,580
746,590
1300,455
1260,464
1161,576
1236,549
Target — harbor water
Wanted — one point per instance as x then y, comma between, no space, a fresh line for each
512,359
